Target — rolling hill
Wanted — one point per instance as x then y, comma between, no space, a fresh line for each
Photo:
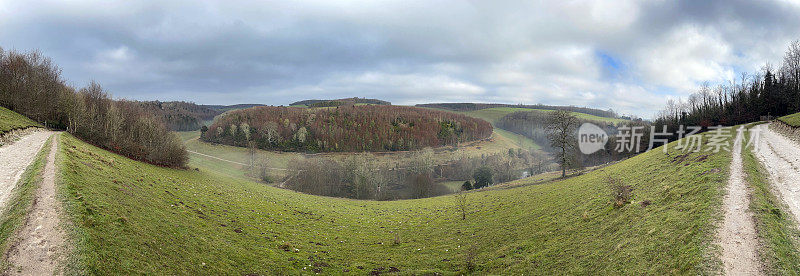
135,218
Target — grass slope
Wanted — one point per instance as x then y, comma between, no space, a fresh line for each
10,120
20,201
135,218
776,228
792,120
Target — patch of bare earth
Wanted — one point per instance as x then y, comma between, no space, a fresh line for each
737,236
39,247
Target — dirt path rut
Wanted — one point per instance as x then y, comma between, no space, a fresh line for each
40,243
737,236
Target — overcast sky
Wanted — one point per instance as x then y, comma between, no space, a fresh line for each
626,55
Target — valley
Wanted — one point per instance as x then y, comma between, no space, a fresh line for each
394,137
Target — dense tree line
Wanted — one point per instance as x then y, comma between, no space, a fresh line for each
478,106
31,85
771,92
223,108
339,102
181,116
344,128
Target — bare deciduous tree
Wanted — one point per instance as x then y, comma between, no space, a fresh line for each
560,129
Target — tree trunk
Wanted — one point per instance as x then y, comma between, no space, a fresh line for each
563,162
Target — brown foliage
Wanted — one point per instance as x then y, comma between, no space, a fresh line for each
345,128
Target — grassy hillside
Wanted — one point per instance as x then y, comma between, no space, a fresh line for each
792,120
135,218
10,120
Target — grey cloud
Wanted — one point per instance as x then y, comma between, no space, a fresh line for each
403,51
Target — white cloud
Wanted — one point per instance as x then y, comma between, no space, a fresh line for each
685,57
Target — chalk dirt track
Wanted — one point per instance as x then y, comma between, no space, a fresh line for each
37,248
781,157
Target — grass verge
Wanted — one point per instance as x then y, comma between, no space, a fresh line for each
20,201
792,119
776,228
10,120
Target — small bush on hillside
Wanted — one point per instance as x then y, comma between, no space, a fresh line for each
466,186
470,255
483,177
461,204
620,193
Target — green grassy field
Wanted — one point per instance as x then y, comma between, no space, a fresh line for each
776,229
134,218
20,200
10,120
792,120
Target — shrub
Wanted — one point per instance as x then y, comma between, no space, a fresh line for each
461,204
483,177
620,193
466,186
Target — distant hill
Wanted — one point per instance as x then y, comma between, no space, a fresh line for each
181,116
224,108
478,106
339,102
